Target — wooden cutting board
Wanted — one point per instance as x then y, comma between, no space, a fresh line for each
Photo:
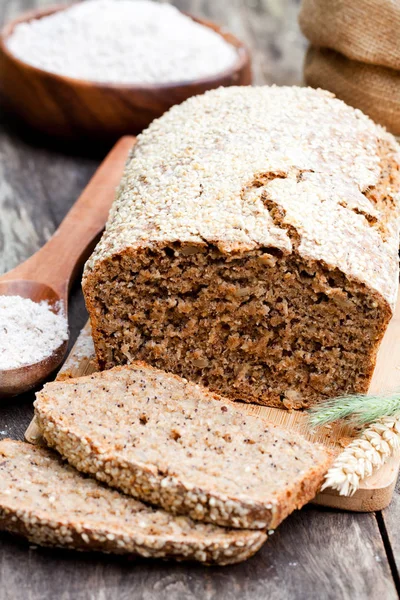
375,493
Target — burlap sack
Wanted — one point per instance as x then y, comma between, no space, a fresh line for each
373,89
363,30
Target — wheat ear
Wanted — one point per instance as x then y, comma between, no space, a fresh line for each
364,455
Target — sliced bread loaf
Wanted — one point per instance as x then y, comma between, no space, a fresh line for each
51,504
252,247
173,443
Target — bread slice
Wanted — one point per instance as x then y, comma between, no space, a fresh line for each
51,504
175,444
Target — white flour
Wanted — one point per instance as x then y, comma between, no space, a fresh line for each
122,41
83,349
29,331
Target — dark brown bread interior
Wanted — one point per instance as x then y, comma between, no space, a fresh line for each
258,327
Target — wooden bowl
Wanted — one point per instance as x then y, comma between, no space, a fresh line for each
78,109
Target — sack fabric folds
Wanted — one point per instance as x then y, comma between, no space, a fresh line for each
355,53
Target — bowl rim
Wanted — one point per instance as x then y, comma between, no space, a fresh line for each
242,51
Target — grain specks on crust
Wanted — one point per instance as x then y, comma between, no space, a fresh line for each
51,504
185,178
167,441
252,247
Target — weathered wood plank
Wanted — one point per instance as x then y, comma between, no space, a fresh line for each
278,41
37,187
313,555
391,521
232,15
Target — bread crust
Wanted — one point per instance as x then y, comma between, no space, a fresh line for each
177,493
319,188
324,197
48,528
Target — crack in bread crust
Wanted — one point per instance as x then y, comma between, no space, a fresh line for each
254,251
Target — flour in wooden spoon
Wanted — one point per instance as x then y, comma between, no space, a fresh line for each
29,331
122,41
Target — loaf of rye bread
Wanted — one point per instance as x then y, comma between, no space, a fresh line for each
51,504
175,444
252,247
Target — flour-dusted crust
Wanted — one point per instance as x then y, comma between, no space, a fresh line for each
293,190
175,444
51,504
192,172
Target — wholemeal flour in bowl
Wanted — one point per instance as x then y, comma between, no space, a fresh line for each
29,331
122,42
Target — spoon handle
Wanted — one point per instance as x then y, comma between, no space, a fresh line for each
56,263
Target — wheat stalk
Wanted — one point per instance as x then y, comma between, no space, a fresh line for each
364,455
358,409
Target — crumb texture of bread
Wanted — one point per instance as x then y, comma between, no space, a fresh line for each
252,247
51,504
174,444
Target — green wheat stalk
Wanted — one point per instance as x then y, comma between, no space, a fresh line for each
358,409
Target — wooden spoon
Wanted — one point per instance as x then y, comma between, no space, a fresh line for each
48,274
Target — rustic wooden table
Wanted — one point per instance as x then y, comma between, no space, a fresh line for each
316,554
